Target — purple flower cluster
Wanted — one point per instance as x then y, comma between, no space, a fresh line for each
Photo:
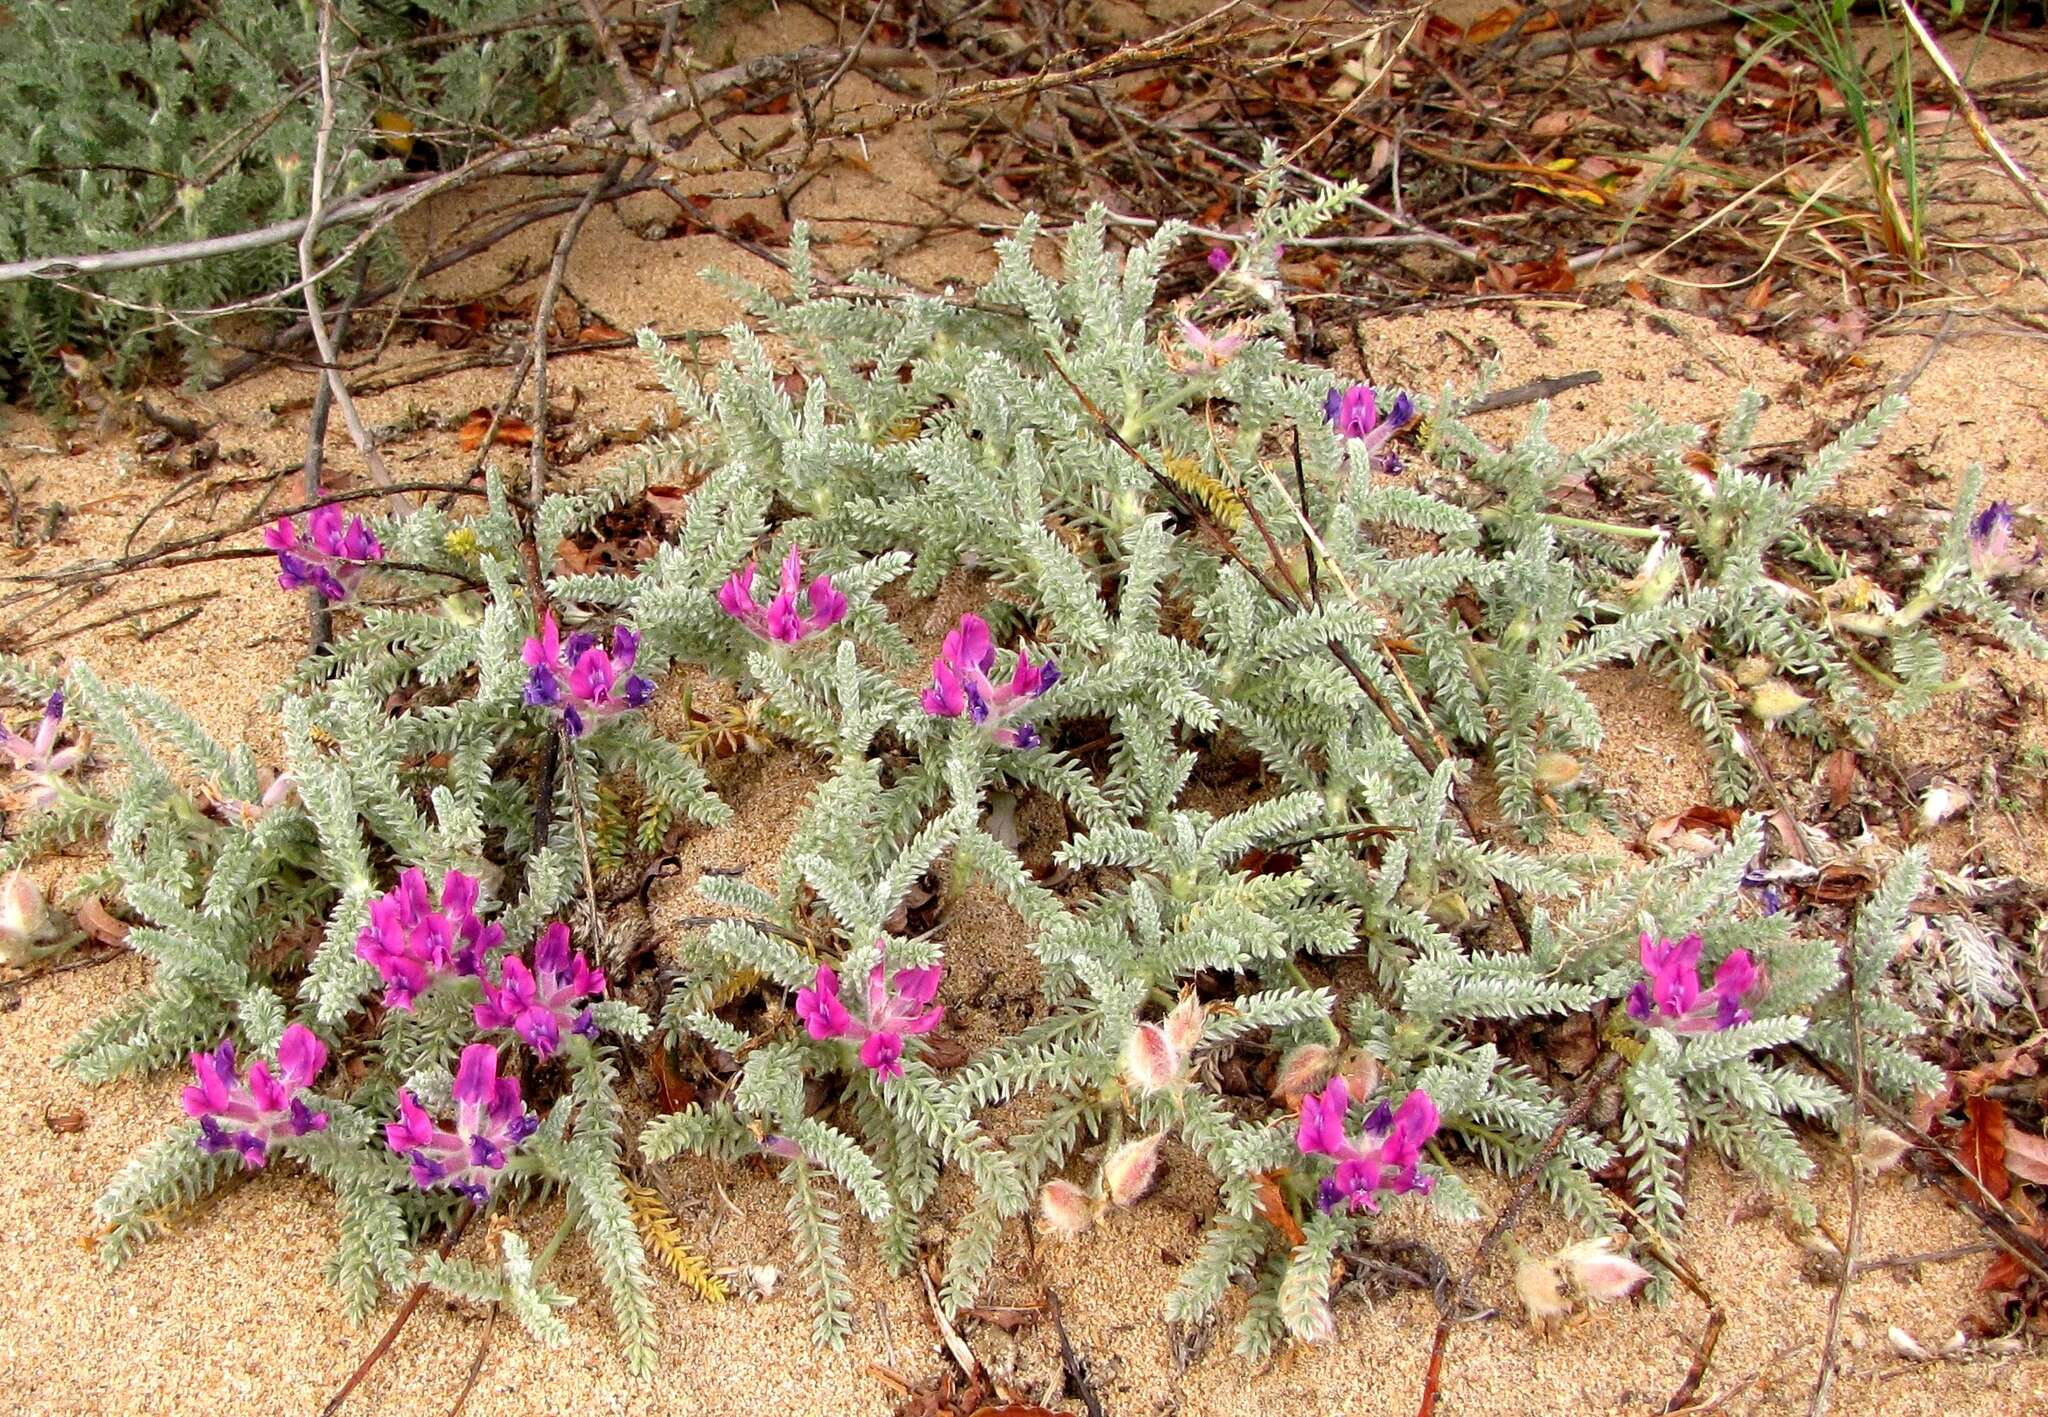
43,762
414,945
1354,411
579,680
960,684
251,1117
895,1008
792,615
540,1003
1671,997
330,559
490,1121
1384,1158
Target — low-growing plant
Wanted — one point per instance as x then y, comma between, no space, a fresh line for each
1219,682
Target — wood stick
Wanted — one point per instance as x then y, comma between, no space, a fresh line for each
1610,1067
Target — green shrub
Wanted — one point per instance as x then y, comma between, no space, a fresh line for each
127,124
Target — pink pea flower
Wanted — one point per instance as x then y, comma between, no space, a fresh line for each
1671,997
331,558
251,1117
1383,1159
1995,552
895,1009
1217,349
1353,410
277,789
490,1122
960,684
579,680
1219,259
782,621
540,1003
414,946
40,759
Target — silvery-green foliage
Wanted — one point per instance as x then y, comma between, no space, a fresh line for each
1250,800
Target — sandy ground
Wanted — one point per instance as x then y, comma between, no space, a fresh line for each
229,1313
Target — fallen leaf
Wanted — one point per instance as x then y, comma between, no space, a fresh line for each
2005,1065
1273,1207
597,332
1838,775
97,921
1704,818
1557,122
1495,23
63,1122
2026,1155
1980,1145
1839,884
667,499
514,432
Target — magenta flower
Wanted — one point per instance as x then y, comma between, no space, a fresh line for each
251,1117
415,946
1383,1158
539,1003
782,621
1671,997
1353,410
490,1123
330,560
1994,550
960,684
44,763
1219,259
894,1010
579,680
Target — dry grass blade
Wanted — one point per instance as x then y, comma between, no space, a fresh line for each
663,1235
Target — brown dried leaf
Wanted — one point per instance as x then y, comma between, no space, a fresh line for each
1980,1145
2026,1156
100,923
2005,1065
514,432
69,1121
1838,775
1273,1208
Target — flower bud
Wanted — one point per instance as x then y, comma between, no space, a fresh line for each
1543,1294
24,920
1751,670
1360,1071
1880,1150
1448,909
1151,1063
1598,1272
1184,1024
1131,1170
1065,1208
1774,701
1302,1071
1556,771
1655,579
1942,801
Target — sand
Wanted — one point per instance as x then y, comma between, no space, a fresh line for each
229,1313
